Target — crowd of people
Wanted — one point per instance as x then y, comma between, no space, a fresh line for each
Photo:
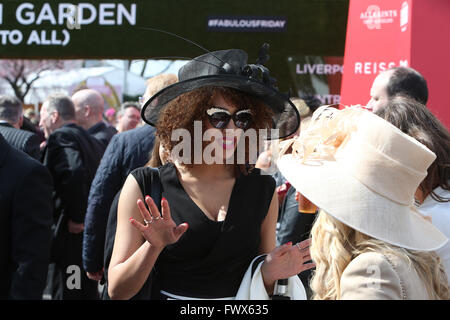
177,197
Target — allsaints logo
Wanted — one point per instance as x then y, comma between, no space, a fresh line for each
374,17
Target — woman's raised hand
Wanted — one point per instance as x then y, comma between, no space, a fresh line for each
158,229
286,261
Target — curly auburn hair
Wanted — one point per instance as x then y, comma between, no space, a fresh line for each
191,106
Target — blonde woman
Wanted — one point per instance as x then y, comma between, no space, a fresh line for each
352,265
368,241
433,195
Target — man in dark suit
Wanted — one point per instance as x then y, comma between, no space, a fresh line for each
89,106
72,155
11,119
25,224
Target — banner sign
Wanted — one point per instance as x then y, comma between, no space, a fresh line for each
66,16
376,41
382,34
318,76
171,29
247,24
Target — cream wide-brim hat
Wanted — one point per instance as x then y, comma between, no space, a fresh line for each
369,182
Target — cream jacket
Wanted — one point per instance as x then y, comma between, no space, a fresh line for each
373,276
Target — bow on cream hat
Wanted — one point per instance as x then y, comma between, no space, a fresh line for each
364,172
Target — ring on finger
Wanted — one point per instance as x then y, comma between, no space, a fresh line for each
157,218
148,221
299,248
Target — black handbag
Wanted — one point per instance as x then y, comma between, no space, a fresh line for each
154,189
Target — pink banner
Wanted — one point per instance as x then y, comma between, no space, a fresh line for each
386,33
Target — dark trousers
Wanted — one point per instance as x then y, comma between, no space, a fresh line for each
69,280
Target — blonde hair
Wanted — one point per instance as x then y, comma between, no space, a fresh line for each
334,245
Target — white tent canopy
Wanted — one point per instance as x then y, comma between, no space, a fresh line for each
108,76
97,78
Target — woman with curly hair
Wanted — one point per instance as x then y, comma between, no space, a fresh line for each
216,216
369,241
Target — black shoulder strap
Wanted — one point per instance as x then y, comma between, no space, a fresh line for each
156,187
150,183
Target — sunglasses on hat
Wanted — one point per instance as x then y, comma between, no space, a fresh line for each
220,117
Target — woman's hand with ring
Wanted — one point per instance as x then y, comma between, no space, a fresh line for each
159,229
286,261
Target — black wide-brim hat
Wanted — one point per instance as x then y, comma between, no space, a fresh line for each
229,68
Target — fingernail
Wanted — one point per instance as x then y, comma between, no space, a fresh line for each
131,219
164,199
288,243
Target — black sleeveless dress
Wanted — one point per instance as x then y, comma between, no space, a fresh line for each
210,259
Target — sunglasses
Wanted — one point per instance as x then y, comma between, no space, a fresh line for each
219,118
